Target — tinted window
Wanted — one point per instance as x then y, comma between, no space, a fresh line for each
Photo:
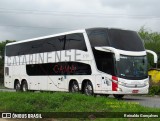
119,39
104,61
132,67
39,46
62,68
6,71
125,40
98,38
75,41
71,41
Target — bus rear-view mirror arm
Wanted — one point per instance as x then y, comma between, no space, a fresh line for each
154,56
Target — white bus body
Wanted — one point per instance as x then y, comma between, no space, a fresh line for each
94,61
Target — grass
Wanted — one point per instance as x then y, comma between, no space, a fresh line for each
65,102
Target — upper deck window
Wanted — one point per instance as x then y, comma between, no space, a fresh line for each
119,39
64,42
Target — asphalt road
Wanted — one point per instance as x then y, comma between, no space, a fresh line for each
7,90
142,100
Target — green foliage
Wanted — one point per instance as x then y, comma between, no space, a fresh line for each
65,102
2,47
151,42
2,50
154,90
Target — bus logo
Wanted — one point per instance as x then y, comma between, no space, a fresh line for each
6,115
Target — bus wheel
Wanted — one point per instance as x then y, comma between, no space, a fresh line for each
88,88
74,87
118,96
17,86
24,86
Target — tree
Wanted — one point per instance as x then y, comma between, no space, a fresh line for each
2,50
151,42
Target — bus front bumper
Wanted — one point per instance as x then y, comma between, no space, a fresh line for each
126,90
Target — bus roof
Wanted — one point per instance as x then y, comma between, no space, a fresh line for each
59,34
43,37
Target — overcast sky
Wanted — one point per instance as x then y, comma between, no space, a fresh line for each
25,19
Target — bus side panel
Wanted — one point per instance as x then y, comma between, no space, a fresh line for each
37,82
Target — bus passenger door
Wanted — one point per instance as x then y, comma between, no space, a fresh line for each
53,83
62,82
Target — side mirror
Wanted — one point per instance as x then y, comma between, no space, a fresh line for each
154,56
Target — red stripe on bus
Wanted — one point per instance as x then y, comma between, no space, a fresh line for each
114,85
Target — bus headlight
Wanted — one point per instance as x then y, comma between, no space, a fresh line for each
119,89
146,83
120,83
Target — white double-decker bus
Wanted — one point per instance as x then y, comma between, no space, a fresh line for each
93,61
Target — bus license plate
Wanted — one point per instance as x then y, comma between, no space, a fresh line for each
135,91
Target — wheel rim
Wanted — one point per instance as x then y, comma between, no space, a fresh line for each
88,89
75,87
17,86
24,87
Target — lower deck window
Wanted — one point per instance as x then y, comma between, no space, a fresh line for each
61,68
6,71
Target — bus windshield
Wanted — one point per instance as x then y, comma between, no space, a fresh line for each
116,38
131,67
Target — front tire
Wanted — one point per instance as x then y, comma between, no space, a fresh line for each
107,95
118,96
88,88
24,86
